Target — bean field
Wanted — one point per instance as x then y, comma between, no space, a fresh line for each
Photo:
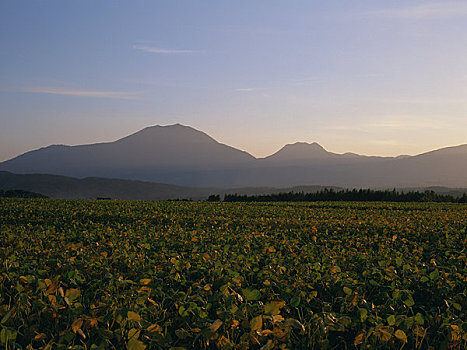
79,274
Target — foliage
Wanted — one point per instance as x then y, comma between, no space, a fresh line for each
160,275
362,195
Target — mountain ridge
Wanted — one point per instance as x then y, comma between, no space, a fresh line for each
179,125
181,155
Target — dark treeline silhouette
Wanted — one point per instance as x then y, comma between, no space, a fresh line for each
363,195
20,194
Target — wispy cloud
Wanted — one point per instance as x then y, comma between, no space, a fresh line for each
164,51
426,11
245,89
81,93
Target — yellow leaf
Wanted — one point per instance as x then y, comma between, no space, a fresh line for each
215,326
400,334
384,335
154,328
296,324
40,336
152,302
51,288
81,333
133,316
93,322
359,339
77,324
72,294
133,333
277,318
47,282
145,281
224,343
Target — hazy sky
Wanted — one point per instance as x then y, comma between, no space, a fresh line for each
367,76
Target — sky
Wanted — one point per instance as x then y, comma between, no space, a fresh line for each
366,76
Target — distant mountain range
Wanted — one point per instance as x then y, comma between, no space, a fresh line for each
180,155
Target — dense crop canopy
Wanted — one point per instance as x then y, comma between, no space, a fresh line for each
95,274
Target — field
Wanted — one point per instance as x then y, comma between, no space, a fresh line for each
109,274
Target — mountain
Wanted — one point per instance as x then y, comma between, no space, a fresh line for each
299,152
170,154
181,155
303,153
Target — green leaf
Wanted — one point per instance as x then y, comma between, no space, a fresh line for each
182,311
251,295
419,319
434,276
256,323
7,335
409,302
363,314
347,290
391,320
7,316
3,336
295,301
273,307
134,344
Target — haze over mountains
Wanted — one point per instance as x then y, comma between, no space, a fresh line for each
181,155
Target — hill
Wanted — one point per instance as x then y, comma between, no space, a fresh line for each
65,187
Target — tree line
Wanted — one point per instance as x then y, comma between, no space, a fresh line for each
331,195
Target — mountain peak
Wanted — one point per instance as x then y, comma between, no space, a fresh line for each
314,146
300,151
170,126
167,134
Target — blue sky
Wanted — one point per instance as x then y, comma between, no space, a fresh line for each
372,77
